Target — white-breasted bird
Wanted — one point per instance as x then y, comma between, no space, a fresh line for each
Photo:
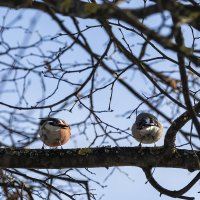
147,129
54,132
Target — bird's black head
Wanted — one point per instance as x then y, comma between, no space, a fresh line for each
54,122
146,119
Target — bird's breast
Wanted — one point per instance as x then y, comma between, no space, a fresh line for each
149,130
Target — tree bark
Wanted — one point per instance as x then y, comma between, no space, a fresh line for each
99,157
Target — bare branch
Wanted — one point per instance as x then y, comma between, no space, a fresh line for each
174,193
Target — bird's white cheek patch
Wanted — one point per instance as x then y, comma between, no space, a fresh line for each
51,128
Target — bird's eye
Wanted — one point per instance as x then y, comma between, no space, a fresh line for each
151,120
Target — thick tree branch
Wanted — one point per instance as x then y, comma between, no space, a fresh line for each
99,157
177,125
77,8
103,11
174,193
16,3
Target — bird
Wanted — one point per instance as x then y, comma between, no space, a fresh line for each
54,132
147,129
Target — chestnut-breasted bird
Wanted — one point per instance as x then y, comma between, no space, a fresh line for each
147,129
54,132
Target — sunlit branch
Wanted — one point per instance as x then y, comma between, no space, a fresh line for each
98,157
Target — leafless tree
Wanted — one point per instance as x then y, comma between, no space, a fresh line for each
98,63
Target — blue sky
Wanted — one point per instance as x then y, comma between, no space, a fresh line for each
118,185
